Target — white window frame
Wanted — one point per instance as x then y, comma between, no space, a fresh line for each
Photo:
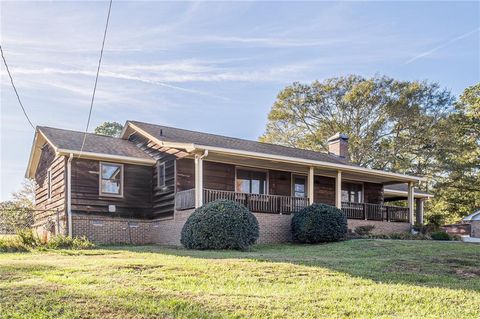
292,184
121,180
49,183
362,199
161,166
255,169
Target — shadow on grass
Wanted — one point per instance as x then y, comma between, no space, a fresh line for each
419,263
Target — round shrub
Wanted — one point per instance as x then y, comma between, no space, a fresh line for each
319,223
222,224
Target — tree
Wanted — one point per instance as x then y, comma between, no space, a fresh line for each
392,125
18,213
457,188
408,127
109,128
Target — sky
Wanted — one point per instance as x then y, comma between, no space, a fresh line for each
211,66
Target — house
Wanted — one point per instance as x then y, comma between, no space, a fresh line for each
142,187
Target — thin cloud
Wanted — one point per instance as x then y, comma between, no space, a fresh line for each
427,53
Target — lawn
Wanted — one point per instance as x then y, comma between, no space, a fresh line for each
352,279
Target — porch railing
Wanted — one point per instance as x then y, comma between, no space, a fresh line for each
278,204
255,202
375,212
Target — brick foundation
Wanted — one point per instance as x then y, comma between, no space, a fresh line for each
380,227
274,228
101,229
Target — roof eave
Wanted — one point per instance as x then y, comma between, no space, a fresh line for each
294,160
108,157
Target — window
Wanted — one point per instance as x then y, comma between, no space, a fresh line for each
111,179
253,182
352,192
299,186
161,175
49,184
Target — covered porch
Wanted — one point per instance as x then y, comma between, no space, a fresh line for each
257,183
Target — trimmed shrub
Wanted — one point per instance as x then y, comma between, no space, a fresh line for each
222,224
440,235
364,230
319,223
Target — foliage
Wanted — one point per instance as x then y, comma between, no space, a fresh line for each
62,242
349,279
18,213
435,220
440,235
28,238
109,128
457,189
14,217
221,224
12,244
408,127
364,230
401,236
390,123
319,223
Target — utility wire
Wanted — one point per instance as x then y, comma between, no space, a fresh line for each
15,89
96,78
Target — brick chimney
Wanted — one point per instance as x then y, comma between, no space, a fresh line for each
338,145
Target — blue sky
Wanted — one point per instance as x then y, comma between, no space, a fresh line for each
212,66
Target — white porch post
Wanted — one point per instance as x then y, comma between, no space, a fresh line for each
411,202
198,181
311,177
419,203
338,190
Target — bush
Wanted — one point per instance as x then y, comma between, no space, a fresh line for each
222,224
61,242
440,235
319,223
364,230
12,244
28,238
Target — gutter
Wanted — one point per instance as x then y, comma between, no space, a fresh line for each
342,167
69,195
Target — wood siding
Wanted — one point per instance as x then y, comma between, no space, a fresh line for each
280,183
324,190
163,198
56,165
137,193
373,193
185,178
217,176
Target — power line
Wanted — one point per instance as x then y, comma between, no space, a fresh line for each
15,89
96,78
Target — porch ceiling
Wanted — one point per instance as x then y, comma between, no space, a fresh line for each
297,168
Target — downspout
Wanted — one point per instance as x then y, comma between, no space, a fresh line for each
69,195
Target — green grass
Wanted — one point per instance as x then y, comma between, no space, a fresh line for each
352,279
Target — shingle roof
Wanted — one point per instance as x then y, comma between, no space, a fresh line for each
72,141
171,134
